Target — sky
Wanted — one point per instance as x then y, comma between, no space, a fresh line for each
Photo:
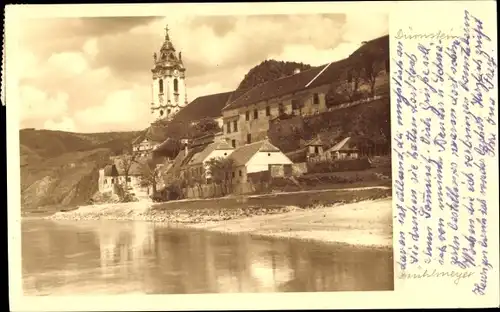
93,74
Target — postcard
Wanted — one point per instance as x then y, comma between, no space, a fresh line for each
252,156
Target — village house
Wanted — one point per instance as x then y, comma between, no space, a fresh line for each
196,165
146,142
246,118
252,159
345,149
114,174
310,149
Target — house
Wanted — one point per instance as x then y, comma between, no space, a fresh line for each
197,164
252,159
207,106
147,141
345,149
314,147
246,118
114,174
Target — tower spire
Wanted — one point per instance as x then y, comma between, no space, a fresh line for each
167,37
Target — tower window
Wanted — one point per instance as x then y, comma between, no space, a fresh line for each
160,84
255,114
235,126
168,111
161,112
176,85
315,98
228,127
247,116
268,111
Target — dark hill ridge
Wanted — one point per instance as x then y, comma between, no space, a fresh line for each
61,168
269,70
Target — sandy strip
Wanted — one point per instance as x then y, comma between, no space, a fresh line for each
367,223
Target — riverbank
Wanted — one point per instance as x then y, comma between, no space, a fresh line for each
366,223
358,216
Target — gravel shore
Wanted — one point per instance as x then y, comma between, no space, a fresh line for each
363,223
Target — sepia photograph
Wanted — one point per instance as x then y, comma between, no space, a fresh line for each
205,154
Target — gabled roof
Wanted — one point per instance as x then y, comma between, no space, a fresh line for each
202,107
314,142
201,156
117,169
176,164
152,134
343,145
140,138
311,78
242,154
191,153
275,88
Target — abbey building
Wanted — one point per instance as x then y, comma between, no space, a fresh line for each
168,87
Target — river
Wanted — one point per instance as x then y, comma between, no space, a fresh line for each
118,257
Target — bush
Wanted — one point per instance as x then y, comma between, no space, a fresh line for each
339,165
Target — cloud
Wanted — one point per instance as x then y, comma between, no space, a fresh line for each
67,63
35,104
94,74
123,109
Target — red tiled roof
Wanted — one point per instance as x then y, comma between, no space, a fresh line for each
275,88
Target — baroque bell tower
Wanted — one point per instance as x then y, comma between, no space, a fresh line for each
168,87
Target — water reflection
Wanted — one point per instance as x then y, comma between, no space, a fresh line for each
124,257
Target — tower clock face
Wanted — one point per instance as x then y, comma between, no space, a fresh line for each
176,73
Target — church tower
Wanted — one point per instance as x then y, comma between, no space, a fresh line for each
168,87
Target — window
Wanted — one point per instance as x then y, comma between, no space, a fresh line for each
315,98
128,179
160,84
249,138
168,111
247,116
281,109
240,173
268,111
255,114
233,174
316,150
233,143
268,154
161,112
295,104
228,127
235,126
225,154
176,85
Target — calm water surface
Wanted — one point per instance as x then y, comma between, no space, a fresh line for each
111,257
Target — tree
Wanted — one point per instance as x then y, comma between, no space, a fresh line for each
126,162
205,125
369,62
149,177
220,171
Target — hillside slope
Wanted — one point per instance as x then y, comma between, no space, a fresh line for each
61,168
269,70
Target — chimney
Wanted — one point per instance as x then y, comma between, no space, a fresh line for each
296,71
